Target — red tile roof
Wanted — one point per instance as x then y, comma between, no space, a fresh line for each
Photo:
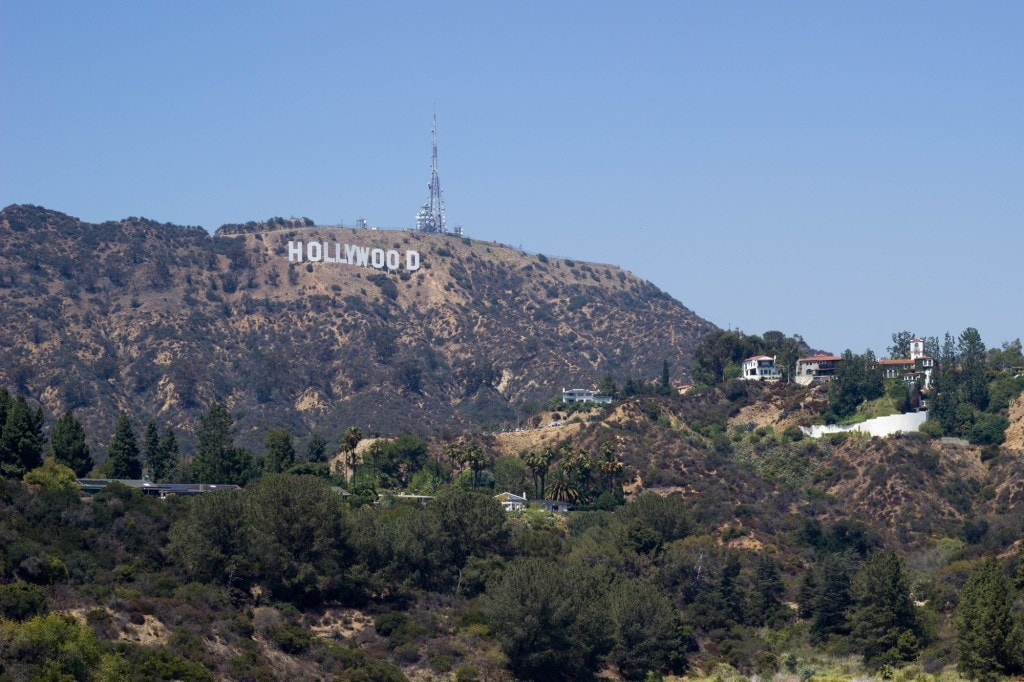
820,358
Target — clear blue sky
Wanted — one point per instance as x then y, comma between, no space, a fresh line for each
838,170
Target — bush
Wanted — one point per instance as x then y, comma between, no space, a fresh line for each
387,623
291,639
21,601
931,428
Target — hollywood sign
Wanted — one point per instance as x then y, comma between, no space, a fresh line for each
350,254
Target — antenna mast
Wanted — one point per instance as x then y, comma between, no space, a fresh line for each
431,217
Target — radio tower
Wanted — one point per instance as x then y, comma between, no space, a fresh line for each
431,217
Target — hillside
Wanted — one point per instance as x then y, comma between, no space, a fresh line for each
727,451
159,321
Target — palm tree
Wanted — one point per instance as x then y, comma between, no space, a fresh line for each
562,489
610,464
348,447
538,463
473,456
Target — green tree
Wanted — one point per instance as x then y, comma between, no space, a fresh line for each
1007,358
50,647
765,604
607,386
645,629
469,524
68,446
300,537
213,541
349,443
900,347
562,488
827,597
857,379
217,460
150,444
167,460
316,448
5,403
885,624
560,627
984,624
973,383
665,387
123,451
52,475
21,438
280,451
509,474
610,465
538,463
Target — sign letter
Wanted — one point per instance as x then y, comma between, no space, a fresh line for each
377,258
294,252
313,252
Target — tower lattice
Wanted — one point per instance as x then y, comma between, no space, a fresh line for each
431,216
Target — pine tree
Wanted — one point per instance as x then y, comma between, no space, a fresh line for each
68,446
21,439
5,403
886,627
217,459
151,445
765,603
316,448
665,387
167,461
831,598
280,452
973,384
983,623
123,452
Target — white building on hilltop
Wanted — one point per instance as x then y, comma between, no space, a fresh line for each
760,368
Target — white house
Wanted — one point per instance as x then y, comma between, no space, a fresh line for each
512,502
760,368
582,395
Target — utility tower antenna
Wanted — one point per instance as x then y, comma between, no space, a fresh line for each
431,217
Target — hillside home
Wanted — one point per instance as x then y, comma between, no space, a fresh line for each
582,395
816,369
760,368
511,502
915,370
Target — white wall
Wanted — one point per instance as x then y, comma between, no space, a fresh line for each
880,426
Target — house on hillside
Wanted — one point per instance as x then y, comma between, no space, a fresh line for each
511,502
816,369
760,368
554,506
582,395
915,370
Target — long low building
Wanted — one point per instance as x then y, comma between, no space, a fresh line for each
92,486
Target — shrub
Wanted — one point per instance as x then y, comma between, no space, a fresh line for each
21,601
291,639
931,428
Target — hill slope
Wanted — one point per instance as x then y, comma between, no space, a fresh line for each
158,321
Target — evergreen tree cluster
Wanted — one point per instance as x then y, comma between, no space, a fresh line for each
21,436
972,387
720,355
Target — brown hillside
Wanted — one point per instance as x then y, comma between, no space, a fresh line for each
159,321
909,489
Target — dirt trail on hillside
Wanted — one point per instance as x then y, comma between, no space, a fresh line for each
514,442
